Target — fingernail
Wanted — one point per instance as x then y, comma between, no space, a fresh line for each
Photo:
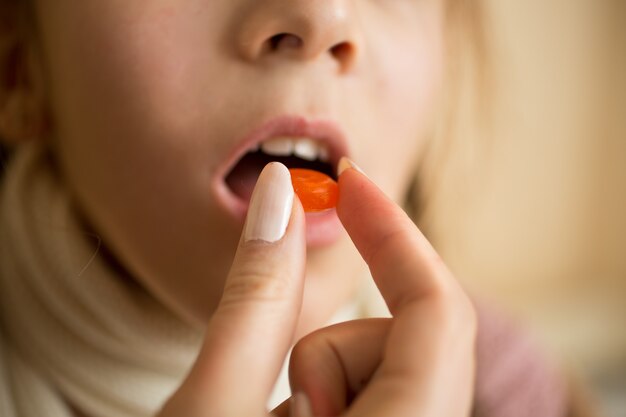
300,406
345,163
270,205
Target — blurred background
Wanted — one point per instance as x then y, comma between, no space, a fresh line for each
536,223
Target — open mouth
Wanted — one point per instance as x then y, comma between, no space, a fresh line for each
295,141
292,140
291,151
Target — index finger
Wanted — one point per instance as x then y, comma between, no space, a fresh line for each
429,350
402,261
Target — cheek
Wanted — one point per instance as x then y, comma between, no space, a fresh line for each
410,80
122,64
127,118
408,74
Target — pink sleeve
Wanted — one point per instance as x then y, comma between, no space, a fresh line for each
514,378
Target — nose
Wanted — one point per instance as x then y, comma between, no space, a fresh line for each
299,29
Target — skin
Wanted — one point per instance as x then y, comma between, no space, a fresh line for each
138,144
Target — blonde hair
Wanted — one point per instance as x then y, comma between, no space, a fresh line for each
465,100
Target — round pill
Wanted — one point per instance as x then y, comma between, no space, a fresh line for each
316,190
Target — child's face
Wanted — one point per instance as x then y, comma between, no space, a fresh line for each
149,98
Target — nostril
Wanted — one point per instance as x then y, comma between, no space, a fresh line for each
284,40
342,52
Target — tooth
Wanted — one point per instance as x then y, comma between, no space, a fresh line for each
278,146
323,154
306,148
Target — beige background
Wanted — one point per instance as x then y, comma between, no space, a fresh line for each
535,221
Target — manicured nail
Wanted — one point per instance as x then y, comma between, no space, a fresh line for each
300,406
345,163
270,205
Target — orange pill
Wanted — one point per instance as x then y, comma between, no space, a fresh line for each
316,191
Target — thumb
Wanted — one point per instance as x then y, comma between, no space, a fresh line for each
252,329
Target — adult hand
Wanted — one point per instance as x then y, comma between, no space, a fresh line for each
420,362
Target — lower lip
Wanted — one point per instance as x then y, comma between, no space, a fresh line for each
322,228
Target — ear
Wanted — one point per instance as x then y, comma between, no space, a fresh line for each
22,109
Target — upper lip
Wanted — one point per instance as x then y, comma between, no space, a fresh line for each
324,131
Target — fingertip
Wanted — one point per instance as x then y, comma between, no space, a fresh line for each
350,182
270,205
361,202
347,163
